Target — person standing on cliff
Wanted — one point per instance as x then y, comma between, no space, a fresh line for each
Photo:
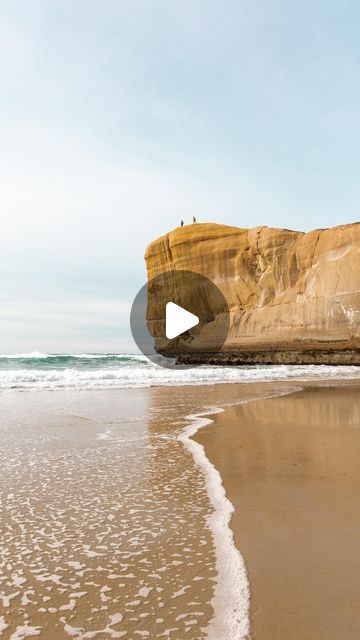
194,220
182,223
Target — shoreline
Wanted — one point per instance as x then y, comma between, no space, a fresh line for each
219,438
151,437
231,600
132,372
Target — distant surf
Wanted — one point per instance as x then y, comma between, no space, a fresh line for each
39,370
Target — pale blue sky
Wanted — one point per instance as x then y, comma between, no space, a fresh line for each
119,118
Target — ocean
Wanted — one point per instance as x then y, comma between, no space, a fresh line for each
124,371
116,523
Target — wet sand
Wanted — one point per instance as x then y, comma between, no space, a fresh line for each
291,467
104,523
104,529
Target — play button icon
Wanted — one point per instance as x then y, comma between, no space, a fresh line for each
180,317
178,320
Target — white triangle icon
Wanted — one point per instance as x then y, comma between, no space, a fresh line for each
178,320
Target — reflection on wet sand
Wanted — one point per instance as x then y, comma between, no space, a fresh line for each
290,465
104,513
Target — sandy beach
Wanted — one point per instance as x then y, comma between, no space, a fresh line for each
290,466
105,527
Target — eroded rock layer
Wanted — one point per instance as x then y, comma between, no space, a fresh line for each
293,297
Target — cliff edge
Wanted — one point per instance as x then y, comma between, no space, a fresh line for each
293,297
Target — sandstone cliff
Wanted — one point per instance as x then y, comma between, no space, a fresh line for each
292,296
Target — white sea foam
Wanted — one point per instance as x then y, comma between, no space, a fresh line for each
38,355
33,355
141,374
3,624
37,370
23,631
231,601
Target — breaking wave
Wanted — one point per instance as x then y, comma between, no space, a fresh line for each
93,371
